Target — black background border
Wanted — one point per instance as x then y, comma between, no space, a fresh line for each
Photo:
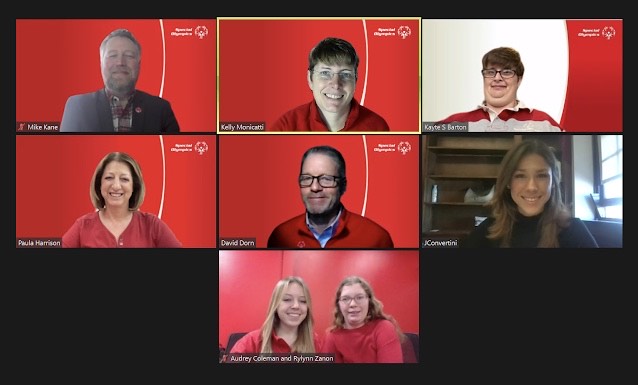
152,314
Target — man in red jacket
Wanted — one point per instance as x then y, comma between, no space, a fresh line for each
326,222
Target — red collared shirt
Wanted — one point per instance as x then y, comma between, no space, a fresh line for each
308,118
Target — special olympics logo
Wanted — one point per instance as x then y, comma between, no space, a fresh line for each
404,147
201,147
404,31
201,31
609,32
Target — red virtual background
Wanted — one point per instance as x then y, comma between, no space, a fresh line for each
59,58
594,97
263,66
258,182
53,174
247,278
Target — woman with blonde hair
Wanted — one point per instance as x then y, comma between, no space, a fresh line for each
288,327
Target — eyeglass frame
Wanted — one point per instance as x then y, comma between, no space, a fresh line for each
347,300
336,180
339,74
498,72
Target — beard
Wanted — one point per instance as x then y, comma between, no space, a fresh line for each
121,87
325,215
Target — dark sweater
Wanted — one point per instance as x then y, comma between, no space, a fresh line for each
526,233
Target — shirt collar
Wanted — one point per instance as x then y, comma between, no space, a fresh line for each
110,96
353,114
332,223
519,105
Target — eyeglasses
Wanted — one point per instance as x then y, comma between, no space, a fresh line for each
491,73
358,299
324,180
343,76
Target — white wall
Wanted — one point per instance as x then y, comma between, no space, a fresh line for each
452,51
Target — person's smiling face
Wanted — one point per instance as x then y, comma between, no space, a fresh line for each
531,185
500,92
293,308
117,184
120,65
333,94
320,200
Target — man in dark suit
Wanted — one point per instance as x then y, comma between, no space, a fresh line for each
119,107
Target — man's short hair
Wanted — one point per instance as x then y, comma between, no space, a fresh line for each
504,57
335,155
120,33
333,51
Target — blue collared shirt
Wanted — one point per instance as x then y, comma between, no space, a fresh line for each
325,236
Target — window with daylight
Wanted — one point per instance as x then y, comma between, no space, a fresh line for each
608,176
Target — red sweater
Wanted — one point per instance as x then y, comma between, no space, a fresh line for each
375,342
251,343
353,231
308,118
145,230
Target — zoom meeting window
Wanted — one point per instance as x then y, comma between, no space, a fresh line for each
472,183
555,75
250,278
171,64
177,174
260,188
384,83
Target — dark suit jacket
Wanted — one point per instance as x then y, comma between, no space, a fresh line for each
92,113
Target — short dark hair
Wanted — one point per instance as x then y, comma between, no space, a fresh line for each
333,50
335,155
505,57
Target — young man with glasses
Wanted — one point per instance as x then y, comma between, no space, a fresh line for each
502,111
326,222
332,78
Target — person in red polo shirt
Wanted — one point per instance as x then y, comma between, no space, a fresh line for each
502,111
332,78
361,331
326,222
288,326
